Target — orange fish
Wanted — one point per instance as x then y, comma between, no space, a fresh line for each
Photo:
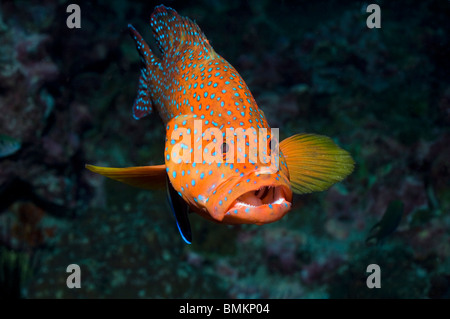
222,160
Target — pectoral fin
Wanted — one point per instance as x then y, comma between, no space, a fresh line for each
147,177
315,162
180,210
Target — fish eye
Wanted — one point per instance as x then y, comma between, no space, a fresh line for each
224,148
272,143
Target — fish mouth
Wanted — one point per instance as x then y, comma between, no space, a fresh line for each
261,205
265,195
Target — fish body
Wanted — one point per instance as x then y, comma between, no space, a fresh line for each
222,159
388,223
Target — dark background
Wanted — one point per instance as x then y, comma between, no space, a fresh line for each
313,66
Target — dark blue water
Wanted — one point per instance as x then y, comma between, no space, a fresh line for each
383,94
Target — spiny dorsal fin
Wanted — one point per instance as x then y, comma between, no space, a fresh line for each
173,31
315,162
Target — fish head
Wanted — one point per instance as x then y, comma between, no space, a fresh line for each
260,196
233,176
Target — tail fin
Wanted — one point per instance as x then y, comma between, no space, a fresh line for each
143,103
173,31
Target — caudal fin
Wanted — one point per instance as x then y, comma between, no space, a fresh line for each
149,64
174,35
315,162
173,32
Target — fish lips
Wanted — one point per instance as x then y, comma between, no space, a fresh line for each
265,201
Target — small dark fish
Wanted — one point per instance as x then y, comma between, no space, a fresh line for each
8,145
388,223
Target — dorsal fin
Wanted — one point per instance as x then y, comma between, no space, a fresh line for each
173,31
